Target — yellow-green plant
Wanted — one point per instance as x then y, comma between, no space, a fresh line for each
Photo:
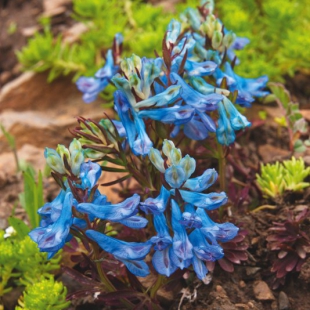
278,32
21,262
277,178
46,294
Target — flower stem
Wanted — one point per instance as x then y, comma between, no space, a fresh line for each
105,280
157,286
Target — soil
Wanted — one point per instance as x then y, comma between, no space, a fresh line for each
249,286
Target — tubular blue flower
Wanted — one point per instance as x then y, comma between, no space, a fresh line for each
176,115
221,232
91,87
135,222
129,253
53,237
115,213
181,245
156,205
195,99
194,68
203,87
209,201
202,182
52,210
189,218
195,129
173,31
162,99
203,252
175,176
237,120
224,133
162,260
89,174
137,137
163,239
119,248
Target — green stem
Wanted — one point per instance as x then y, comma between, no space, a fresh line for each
105,280
157,286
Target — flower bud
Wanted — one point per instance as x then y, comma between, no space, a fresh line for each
77,158
229,39
54,160
136,60
167,147
217,39
189,165
75,145
157,160
63,151
175,156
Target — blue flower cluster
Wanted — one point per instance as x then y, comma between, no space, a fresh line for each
190,89
192,239
182,88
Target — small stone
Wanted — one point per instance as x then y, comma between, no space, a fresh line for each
254,240
29,31
242,284
242,306
274,305
262,291
251,305
284,303
250,271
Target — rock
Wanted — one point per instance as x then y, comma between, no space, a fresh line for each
262,291
38,113
29,31
305,271
284,303
242,284
55,7
271,153
251,271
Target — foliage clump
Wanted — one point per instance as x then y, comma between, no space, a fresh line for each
21,262
141,24
277,178
278,33
46,294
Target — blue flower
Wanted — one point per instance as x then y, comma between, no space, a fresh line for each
129,253
112,212
209,201
221,232
53,237
204,252
89,174
182,247
162,260
92,86
156,205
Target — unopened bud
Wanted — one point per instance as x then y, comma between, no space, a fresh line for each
54,160
217,39
157,160
229,39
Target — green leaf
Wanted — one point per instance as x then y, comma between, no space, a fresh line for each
299,147
21,228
